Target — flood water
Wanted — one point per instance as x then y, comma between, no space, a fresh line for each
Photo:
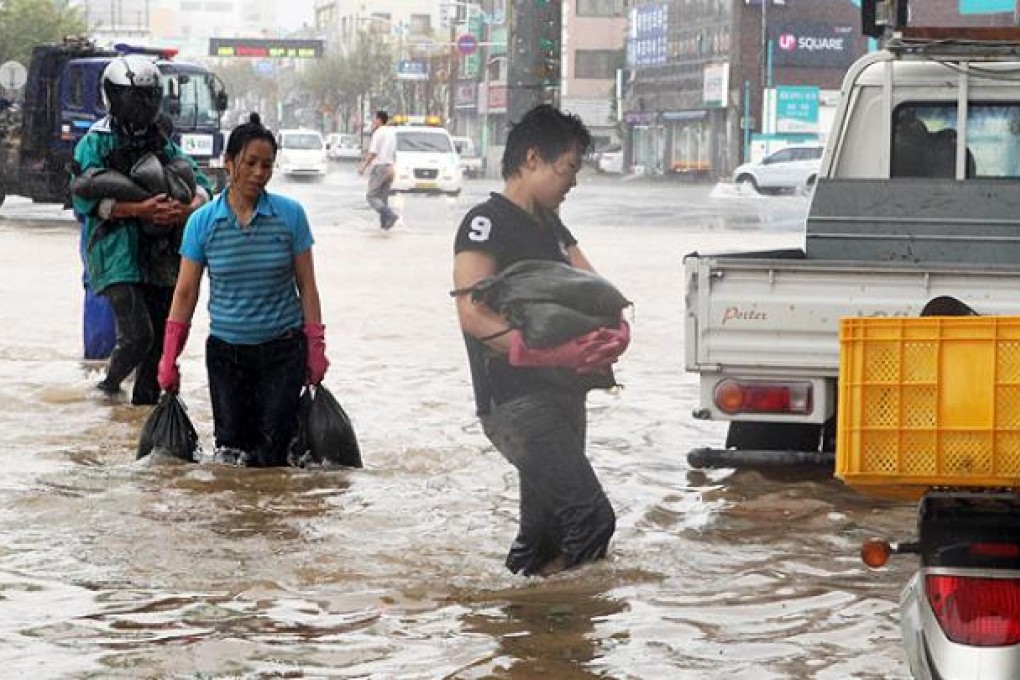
116,568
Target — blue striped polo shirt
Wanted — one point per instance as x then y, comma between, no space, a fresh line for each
253,296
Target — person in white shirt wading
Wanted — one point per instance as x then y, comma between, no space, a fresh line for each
380,159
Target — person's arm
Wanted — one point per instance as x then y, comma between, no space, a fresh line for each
578,259
476,319
373,151
316,363
189,283
178,324
304,276
369,157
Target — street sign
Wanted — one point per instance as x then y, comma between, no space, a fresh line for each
12,75
467,43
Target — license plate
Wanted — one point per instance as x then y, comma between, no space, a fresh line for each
425,185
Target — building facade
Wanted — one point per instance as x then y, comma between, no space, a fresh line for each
711,83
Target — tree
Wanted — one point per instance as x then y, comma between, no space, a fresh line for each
341,83
27,23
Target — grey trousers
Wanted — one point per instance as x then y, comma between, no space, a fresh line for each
380,179
563,509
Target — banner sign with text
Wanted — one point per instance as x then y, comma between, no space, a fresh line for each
265,49
800,43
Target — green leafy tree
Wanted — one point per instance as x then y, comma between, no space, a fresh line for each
343,83
27,23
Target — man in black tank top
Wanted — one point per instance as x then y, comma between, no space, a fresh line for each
537,424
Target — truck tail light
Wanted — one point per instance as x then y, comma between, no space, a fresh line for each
980,612
65,132
761,396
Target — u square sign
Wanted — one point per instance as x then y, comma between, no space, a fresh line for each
797,43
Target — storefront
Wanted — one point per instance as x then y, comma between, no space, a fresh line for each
690,142
647,140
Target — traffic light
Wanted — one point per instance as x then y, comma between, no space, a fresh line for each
535,55
548,25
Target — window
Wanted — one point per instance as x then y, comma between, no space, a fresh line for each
301,141
781,156
598,64
429,142
76,88
600,8
924,140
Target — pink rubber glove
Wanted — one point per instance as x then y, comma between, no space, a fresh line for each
317,362
175,336
571,354
614,342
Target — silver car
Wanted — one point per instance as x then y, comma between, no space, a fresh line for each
789,169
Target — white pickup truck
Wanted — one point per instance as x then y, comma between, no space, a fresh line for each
918,197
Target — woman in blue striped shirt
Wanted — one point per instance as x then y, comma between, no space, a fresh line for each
266,337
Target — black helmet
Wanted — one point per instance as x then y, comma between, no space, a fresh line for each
132,91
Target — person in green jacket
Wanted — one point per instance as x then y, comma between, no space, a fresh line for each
131,246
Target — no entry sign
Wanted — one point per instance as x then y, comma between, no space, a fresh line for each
467,43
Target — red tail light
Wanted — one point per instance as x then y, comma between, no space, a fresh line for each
758,396
980,612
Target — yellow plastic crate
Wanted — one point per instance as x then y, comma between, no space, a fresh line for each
928,401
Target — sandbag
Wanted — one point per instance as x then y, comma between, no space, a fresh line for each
180,180
325,435
551,302
168,430
100,183
148,173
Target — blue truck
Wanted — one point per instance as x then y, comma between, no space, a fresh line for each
62,99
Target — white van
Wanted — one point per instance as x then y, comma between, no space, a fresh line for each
301,153
426,160
470,162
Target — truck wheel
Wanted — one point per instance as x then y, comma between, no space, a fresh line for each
747,181
2,197
756,436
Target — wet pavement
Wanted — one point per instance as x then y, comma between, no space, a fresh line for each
111,567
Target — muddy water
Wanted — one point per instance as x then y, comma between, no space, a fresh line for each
115,568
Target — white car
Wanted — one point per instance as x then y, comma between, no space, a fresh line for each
343,147
426,160
610,160
790,168
301,153
471,164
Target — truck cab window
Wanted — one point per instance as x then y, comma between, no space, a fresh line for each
196,96
76,88
924,140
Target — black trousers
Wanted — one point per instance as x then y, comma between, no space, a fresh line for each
140,312
255,391
563,509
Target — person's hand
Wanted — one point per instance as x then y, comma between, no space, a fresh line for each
316,362
150,208
361,168
171,213
174,338
613,342
573,353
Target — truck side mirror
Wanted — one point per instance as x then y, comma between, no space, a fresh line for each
221,101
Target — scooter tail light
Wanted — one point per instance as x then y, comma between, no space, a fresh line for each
978,612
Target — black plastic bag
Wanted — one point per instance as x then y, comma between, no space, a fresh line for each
551,302
168,430
325,435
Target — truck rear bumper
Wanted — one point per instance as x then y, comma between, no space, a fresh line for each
734,458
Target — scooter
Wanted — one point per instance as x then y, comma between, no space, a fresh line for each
960,612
